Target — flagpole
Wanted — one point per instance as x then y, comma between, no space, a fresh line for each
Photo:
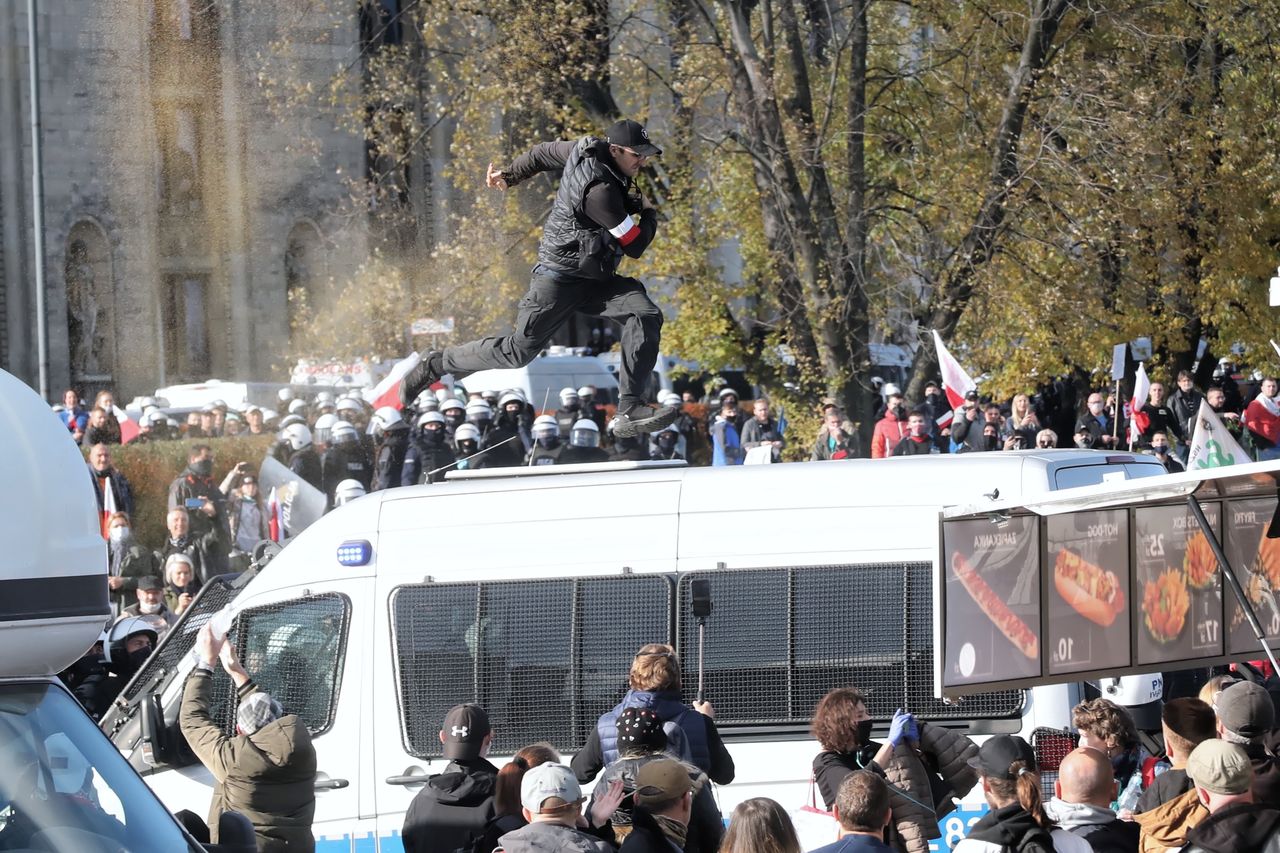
1115,417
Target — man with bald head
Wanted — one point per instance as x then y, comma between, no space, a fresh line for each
1084,791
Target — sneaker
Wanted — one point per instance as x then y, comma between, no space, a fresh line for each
643,418
419,378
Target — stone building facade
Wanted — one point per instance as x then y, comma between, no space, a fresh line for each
180,209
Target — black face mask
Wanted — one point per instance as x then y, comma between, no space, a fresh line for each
667,442
899,412
482,424
202,467
454,420
466,447
992,442
572,406
548,442
434,437
862,734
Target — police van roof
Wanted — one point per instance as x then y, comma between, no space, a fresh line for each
53,591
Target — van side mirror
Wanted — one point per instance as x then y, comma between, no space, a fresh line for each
156,743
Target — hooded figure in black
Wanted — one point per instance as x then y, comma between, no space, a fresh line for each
453,808
546,442
428,452
393,443
508,438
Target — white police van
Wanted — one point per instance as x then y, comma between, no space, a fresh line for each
62,784
530,592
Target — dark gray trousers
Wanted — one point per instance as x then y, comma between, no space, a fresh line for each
551,301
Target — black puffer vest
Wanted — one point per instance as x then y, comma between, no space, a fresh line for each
572,243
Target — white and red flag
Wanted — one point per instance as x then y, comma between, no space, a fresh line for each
1138,422
273,515
955,382
108,504
387,392
129,429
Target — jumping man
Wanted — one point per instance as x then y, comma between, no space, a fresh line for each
599,215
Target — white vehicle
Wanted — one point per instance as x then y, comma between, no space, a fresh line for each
542,378
62,784
393,608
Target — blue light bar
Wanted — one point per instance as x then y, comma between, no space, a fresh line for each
356,553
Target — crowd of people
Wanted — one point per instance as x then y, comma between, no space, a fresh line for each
654,761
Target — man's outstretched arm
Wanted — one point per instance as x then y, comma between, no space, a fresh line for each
543,157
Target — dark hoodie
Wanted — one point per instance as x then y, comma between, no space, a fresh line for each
1235,829
1010,827
451,809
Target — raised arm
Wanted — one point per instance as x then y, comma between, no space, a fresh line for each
543,157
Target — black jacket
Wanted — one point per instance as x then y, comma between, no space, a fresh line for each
344,462
120,489
389,466
452,809
1266,774
1185,405
1118,836
306,464
1237,828
1169,784
1012,827
910,447
647,836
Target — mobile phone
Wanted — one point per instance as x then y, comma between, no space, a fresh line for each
194,503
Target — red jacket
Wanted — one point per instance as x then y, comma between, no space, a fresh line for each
889,431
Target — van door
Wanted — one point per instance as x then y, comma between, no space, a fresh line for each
304,647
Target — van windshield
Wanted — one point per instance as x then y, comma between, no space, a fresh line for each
63,786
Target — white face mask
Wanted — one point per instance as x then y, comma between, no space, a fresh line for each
143,607
119,533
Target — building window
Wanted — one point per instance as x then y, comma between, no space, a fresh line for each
186,326
303,274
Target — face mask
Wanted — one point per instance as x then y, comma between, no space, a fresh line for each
119,533
666,443
862,734
1160,451
992,442
454,420
202,467
572,406
899,412
467,447
102,473
150,608
434,437
137,659
482,424
548,441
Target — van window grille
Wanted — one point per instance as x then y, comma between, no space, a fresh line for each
293,650
545,658
778,639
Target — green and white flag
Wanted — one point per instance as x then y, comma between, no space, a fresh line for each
1212,445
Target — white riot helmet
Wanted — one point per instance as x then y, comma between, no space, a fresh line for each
348,404
426,402
490,397
269,416
289,420
888,389
297,407
324,427
430,418
509,397
347,491
567,396
324,397
114,644
452,403
671,398
584,433
466,432
284,395
586,391
296,435
545,426
343,433
383,419
479,410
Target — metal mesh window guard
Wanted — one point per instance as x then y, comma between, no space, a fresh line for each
544,658
778,639
1051,746
293,650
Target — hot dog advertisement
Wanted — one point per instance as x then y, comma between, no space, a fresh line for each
1088,596
991,601
1256,560
1177,585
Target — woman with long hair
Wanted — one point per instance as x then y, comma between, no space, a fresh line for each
507,816
1022,421
1017,819
760,825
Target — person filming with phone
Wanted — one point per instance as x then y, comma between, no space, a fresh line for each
197,492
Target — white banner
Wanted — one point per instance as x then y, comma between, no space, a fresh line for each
1212,445
761,455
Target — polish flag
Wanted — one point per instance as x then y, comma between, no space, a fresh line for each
128,427
108,504
273,515
387,392
955,382
1138,422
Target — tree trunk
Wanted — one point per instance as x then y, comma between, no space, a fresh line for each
982,239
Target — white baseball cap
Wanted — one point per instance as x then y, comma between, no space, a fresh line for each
545,781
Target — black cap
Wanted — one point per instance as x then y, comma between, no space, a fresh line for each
465,728
997,754
971,395
150,582
631,134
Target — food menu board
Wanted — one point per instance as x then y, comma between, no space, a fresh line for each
1088,593
1256,560
991,601
1177,585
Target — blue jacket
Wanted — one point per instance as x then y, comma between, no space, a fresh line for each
855,844
668,706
